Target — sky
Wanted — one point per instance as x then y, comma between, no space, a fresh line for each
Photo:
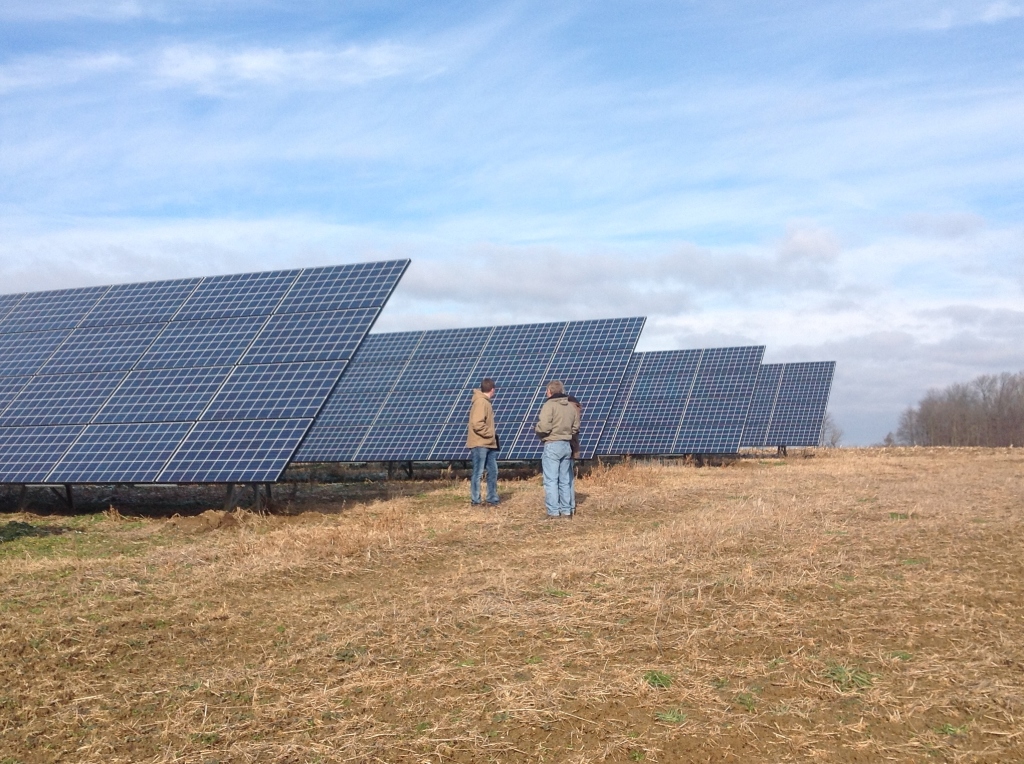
836,181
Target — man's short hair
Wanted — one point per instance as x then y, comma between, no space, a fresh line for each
487,385
555,387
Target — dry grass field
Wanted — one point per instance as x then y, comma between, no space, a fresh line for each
847,606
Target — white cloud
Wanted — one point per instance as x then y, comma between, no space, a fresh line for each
214,70
36,72
1001,11
952,14
211,70
53,10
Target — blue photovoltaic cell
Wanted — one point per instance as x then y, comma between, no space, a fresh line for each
163,395
40,311
119,453
211,342
140,303
294,337
274,391
791,400
23,353
60,399
430,376
27,454
249,451
246,294
138,364
102,348
683,402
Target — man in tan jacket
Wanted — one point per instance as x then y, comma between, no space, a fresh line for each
557,424
482,441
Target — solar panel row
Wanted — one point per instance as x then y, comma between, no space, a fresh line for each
788,407
193,380
219,380
405,395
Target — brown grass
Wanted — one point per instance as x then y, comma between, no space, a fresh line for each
853,606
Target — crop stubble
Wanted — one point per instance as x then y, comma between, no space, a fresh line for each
861,605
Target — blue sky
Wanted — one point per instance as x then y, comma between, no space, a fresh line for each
833,180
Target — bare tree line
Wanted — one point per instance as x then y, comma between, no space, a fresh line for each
989,411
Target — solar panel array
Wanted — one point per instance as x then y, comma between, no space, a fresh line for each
789,404
406,395
191,381
683,402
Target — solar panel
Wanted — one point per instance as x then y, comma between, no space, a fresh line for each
789,405
323,336
9,302
102,348
683,402
248,451
23,353
27,454
62,309
274,391
119,453
207,342
192,380
421,383
9,389
60,399
243,294
140,303
163,395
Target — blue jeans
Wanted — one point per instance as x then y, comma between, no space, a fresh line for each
484,458
558,483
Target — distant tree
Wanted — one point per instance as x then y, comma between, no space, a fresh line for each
986,412
831,432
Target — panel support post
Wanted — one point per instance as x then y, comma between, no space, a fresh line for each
70,496
23,498
391,470
270,498
257,497
408,469
229,500
781,451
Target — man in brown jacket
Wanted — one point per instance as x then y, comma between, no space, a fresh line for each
482,441
557,424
